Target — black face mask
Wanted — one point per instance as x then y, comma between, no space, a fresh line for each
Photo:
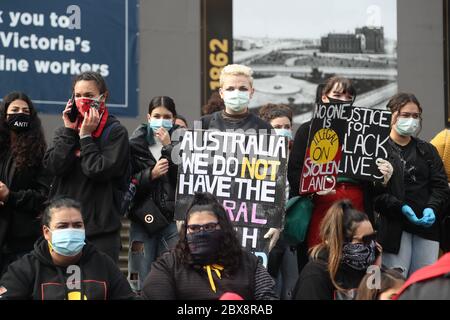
19,122
338,101
359,256
204,246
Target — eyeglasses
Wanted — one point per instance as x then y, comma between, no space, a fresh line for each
368,238
413,115
208,227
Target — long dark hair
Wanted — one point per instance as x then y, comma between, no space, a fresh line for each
337,227
230,251
28,147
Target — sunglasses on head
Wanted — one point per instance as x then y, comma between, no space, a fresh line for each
368,238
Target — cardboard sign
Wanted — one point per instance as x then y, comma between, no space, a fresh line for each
344,140
365,140
324,150
247,174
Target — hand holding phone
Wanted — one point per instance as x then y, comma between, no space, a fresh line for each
73,111
70,114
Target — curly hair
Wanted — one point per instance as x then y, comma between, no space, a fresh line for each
215,103
272,111
230,251
28,147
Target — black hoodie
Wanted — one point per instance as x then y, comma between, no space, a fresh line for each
315,282
36,277
94,177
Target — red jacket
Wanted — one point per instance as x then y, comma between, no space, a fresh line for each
432,280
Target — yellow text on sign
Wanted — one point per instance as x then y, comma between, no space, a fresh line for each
324,146
259,168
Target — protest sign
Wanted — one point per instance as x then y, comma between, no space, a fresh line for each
246,172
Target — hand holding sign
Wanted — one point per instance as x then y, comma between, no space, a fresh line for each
273,234
385,168
4,192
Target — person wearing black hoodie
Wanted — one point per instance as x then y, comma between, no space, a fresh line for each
62,266
23,183
89,160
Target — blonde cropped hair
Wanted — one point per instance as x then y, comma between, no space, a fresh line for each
236,70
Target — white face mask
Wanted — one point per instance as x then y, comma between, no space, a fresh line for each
407,126
236,100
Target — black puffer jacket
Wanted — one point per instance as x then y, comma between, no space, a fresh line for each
19,225
91,171
162,190
390,220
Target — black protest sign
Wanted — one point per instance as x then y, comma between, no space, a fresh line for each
365,140
252,239
324,150
246,172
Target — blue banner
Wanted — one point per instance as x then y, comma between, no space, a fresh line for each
45,43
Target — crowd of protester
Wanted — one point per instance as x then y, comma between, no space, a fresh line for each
61,207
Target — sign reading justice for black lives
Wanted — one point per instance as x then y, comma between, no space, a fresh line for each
344,140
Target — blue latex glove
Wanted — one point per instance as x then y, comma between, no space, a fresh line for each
428,217
410,215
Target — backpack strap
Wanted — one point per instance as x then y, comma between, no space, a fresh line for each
105,134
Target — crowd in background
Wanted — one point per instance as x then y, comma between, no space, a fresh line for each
61,207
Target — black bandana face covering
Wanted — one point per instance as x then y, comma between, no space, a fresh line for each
359,256
337,101
204,246
18,122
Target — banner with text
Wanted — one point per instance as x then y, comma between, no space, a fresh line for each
324,150
44,44
365,140
344,140
246,172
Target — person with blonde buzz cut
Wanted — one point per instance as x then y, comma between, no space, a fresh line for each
236,90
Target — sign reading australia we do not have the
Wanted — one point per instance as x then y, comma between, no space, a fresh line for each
45,43
246,172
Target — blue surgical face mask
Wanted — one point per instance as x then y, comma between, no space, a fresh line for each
68,242
407,126
236,100
155,124
285,133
